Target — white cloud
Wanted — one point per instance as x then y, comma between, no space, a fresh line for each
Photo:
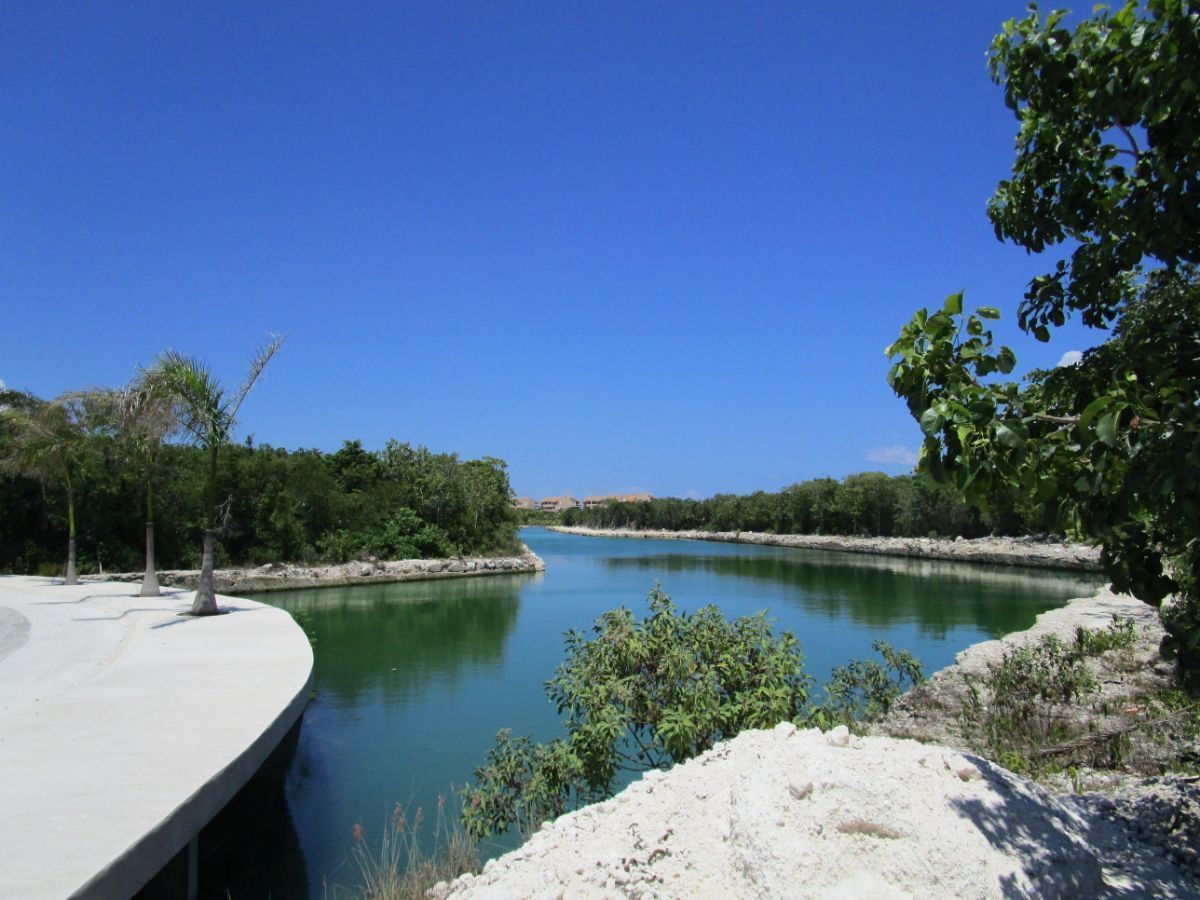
893,456
1070,358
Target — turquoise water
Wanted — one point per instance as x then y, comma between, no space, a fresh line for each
414,680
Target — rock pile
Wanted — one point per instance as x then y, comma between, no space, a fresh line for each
803,814
289,576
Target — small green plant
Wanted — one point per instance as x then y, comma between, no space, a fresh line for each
1016,709
863,690
1119,635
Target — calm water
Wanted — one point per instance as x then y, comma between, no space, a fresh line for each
413,680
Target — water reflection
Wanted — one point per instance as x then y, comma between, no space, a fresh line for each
396,638
880,592
399,671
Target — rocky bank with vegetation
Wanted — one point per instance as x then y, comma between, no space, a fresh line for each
1002,551
806,813
291,576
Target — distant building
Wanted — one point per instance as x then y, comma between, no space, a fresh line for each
524,503
554,504
595,500
635,498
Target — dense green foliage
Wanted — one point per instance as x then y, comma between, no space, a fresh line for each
303,505
864,689
538,517
1107,158
867,503
647,693
640,694
44,443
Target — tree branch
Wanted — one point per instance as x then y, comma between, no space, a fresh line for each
1136,152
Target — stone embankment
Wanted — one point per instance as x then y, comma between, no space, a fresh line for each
289,576
1003,551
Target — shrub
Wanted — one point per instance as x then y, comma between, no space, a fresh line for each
1014,711
1120,635
639,694
863,689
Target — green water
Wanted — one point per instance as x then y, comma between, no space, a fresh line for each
413,680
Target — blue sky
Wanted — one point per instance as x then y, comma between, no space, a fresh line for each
653,246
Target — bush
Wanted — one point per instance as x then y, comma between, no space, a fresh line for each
1119,635
639,694
863,690
1018,714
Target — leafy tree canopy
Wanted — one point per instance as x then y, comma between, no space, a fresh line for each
1110,447
1107,152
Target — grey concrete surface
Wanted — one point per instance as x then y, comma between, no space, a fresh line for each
14,631
124,727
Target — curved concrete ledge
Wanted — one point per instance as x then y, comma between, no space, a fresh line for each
124,728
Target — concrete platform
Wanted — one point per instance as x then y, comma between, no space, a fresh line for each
124,727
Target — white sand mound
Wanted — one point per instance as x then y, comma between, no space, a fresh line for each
804,814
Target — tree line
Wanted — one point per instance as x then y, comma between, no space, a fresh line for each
868,503
93,469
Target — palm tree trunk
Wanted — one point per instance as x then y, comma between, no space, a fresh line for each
150,579
71,576
205,603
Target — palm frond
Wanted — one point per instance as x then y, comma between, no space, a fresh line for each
202,407
257,364
147,413
45,439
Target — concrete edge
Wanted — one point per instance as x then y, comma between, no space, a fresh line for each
142,860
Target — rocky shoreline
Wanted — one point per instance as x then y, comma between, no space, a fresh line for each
290,576
806,814
1001,551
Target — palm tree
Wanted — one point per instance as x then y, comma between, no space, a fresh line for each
46,443
142,414
207,416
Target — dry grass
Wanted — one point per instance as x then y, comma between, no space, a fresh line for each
400,868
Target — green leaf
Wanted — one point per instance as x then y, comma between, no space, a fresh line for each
1042,333
953,304
931,421
1090,411
1106,429
988,312
1011,434
1006,360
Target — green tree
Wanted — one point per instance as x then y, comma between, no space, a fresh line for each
47,441
142,416
640,694
208,416
1107,158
